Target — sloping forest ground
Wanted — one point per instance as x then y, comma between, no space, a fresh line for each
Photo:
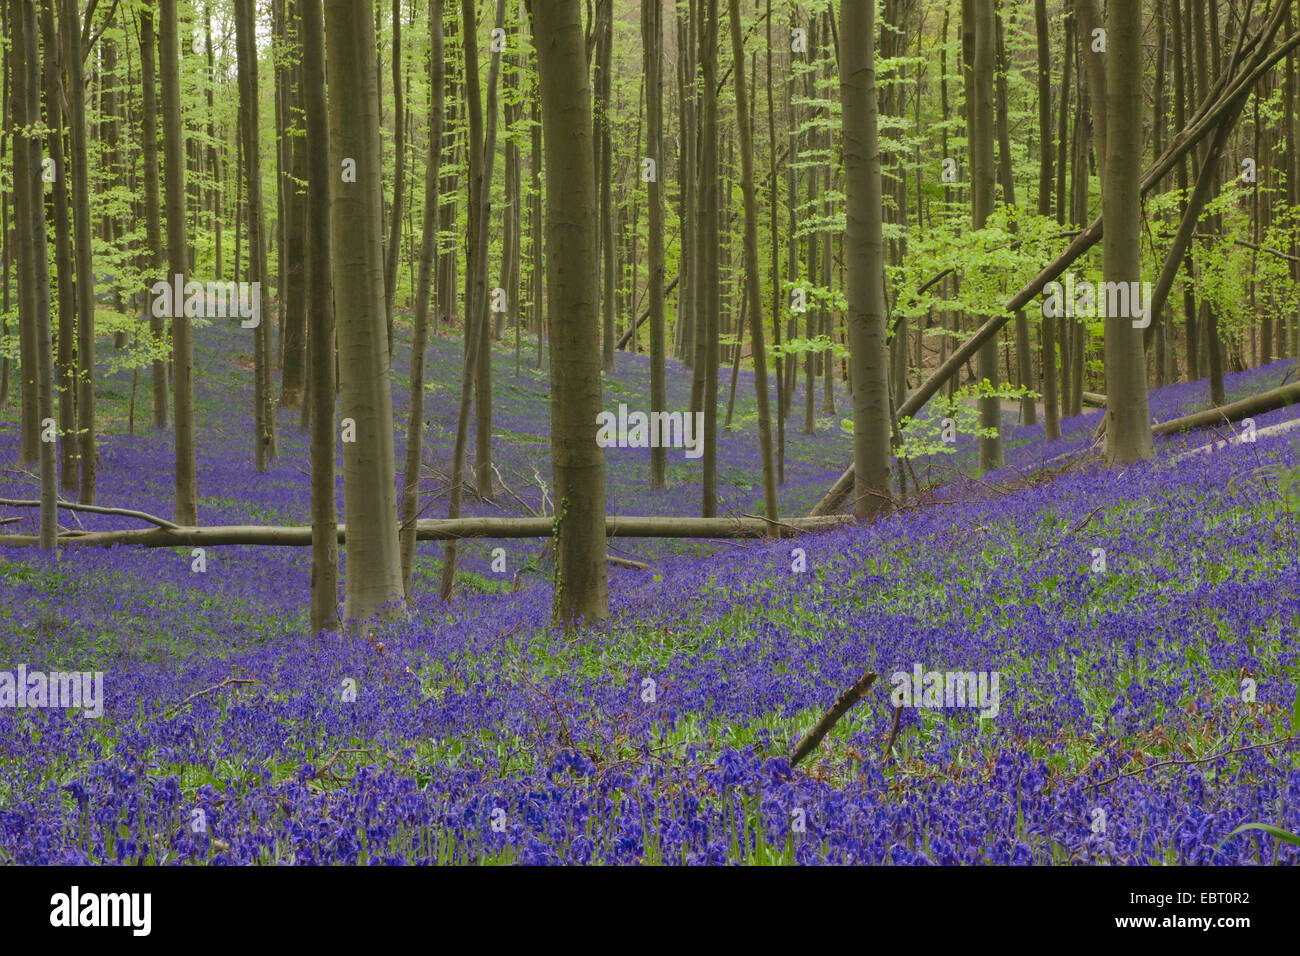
1139,712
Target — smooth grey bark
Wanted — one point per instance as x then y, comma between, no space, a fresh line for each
428,249
753,289
373,580
34,279
578,464
864,253
178,261
1128,420
246,52
69,471
79,161
707,322
981,120
154,256
652,46
321,351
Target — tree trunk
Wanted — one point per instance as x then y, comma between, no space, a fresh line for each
1128,421
29,447
1024,358
480,201
153,225
439,529
605,170
709,236
399,176
1095,65
293,304
246,52
753,291
69,472
864,254
652,45
34,279
982,175
374,567
578,464
79,161
324,545
482,150
1051,408
178,255
428,248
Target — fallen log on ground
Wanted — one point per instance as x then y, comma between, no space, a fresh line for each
831,718
1222,443
1095,399
433,529
1233,411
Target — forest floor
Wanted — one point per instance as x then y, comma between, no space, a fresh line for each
1135,632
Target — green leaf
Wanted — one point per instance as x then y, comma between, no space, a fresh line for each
1284,835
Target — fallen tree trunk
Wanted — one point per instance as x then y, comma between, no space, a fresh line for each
841,707
1233,411
1095,399
1198,127
433,529
1270,431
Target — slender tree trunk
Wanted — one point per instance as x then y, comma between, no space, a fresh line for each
399,176
481,205
578,464
536,224
1128,422
153,225
652,45
982,177
324,518
374,567
1213,351
604,71
1024,358
773,185
29,447
683,343
34,279
482,149
246,52
709,237
177,255
1051,408
69,472
1094,64
293,306
753,291
428,248
79,161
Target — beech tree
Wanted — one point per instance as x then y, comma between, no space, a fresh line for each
864,251
1128,420
373,579
577,463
